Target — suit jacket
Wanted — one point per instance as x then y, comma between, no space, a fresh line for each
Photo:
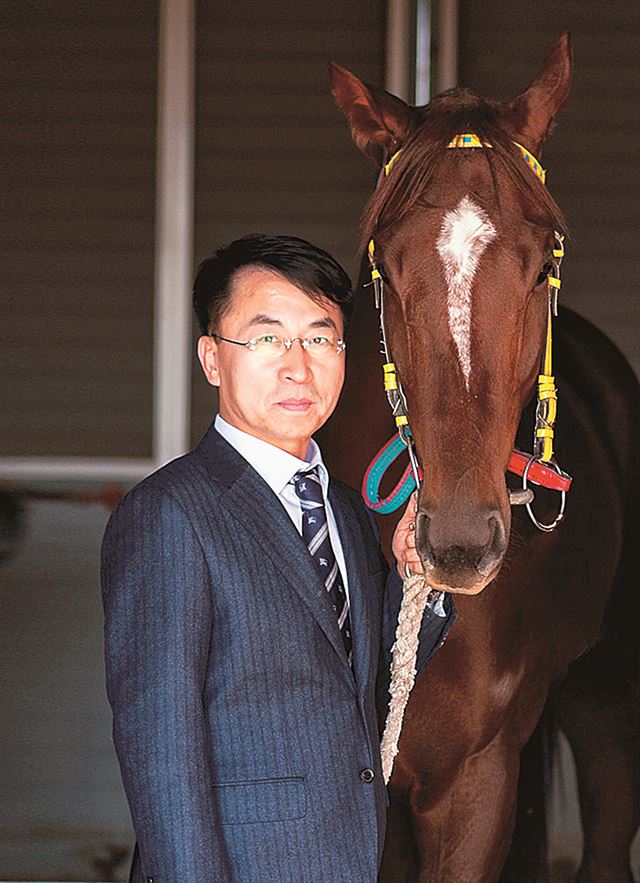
248,746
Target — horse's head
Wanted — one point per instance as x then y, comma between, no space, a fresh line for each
463,239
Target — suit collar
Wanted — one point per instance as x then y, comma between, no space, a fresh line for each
251,501
360,595
274,464
224,464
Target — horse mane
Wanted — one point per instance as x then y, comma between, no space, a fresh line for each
453,113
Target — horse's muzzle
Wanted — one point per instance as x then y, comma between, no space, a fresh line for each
464,555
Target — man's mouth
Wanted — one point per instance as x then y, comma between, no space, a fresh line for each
295,405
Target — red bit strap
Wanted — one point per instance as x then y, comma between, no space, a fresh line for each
539,473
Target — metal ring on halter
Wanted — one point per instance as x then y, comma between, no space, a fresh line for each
563,497
408,573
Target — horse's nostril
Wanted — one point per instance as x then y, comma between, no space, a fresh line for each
423,545
496,546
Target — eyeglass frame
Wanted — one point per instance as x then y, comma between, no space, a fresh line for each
287,341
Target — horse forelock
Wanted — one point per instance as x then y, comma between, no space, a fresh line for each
420,162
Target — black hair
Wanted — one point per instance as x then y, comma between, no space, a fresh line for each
306,266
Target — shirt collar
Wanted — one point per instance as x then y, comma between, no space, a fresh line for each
276,466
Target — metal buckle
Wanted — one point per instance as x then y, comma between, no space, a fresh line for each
547,528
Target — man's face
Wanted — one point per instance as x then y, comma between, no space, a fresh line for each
284,399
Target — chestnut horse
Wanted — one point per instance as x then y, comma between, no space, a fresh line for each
464,239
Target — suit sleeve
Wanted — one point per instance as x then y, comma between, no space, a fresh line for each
433,631
158,614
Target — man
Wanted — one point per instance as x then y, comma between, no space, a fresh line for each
243,595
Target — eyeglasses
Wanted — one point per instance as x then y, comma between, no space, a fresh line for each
272,346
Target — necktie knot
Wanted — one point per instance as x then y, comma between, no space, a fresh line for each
308,487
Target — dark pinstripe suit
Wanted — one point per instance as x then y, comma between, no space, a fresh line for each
241,730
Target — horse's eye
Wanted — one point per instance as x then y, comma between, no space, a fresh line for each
544,272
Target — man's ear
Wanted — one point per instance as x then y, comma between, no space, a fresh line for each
208,356
532,113
376,118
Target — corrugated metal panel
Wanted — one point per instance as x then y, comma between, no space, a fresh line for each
593,158
78,138
273,153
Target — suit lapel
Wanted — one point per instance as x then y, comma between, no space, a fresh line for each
360,598
250,500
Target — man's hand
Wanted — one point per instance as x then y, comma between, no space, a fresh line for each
404,541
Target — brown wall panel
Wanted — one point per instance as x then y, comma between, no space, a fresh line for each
77,226
593,157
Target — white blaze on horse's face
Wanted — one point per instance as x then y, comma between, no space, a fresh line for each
466,232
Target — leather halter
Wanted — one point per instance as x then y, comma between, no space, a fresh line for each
538,468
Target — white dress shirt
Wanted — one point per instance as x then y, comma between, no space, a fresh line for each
277,468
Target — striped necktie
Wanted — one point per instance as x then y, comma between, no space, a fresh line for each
315,533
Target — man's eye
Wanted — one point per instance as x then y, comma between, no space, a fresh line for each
319,340
267,339
544,273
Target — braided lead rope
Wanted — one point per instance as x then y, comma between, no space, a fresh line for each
415,595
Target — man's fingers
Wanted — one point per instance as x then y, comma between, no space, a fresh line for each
412,565
404,542
408,520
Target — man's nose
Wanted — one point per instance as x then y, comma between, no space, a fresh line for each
295,361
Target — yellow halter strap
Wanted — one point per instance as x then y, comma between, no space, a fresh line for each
547,394
471,140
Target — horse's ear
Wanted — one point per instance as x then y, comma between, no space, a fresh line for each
376,118
531,114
